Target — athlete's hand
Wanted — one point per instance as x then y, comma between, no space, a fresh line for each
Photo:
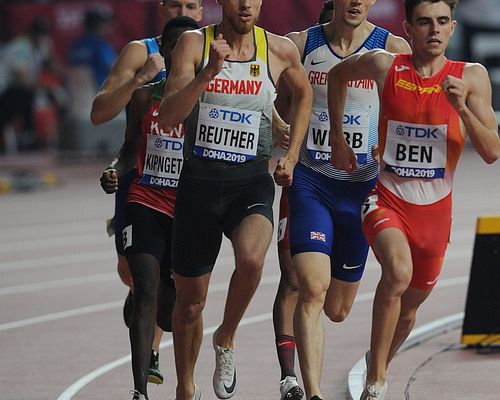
456,92
109,181
154,64
283,174
343,156
219,51
281,135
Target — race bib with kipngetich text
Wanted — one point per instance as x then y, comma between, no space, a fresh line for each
415,150
163,161
226,133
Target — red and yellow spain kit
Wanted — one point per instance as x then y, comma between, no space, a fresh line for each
159,161
420,143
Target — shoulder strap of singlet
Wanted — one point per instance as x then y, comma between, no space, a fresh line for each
315,39
152,45
377,39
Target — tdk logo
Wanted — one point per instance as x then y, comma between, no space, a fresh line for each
416,132
232,116
323,117
351,119
168,144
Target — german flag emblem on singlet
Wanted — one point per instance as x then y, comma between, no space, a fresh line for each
254,70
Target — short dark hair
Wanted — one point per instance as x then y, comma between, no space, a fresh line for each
323,15
411,4
178,22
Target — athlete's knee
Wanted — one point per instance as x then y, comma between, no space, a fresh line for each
312,291
337,313
250,263
187,310
396,274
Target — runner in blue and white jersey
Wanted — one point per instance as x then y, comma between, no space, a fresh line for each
326,240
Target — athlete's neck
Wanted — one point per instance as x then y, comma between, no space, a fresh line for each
427,67
346,39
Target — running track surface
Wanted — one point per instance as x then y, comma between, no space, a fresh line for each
61,330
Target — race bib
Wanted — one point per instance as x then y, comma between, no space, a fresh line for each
355,131
163,161
416,150
226,133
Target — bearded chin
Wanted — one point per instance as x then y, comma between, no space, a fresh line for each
242,28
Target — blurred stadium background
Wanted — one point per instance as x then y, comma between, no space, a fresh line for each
61,123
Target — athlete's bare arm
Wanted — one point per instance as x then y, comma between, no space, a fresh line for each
283,100
372,65
285,63
184,86
396,44
132,69
471,98
126,156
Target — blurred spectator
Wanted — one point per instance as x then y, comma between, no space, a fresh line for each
26,59
93,47
476,17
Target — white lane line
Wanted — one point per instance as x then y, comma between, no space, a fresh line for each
59,283
106,255
53,261
356,375
46,243
218,287
85,380
60,315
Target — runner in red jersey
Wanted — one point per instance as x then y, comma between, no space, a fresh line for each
429,105
150,209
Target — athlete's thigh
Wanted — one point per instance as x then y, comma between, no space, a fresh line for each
251,239
247,197
197,232
350,248
145,231
311,227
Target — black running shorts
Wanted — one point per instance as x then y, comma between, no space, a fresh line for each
206,209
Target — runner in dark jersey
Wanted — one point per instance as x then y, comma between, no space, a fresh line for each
138,63
150,210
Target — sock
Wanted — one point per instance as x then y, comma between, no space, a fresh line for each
285,347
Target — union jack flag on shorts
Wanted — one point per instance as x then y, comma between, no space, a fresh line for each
318,236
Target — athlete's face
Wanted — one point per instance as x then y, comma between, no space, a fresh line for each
430,28
177,8
352,12
241,14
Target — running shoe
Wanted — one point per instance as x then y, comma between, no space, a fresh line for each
375,391
224,380
155,375
137,395
128,307
290,389
197,393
